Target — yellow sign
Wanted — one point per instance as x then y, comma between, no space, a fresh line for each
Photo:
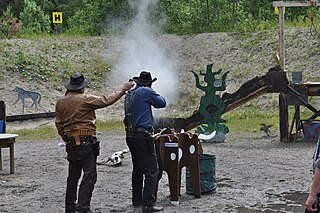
57,17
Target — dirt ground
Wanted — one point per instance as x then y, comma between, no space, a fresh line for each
253,173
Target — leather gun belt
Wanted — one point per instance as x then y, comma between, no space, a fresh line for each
80,133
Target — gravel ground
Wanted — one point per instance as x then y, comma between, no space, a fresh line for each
253,174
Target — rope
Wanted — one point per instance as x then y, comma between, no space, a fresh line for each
313,30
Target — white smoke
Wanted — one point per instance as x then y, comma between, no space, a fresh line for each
141,51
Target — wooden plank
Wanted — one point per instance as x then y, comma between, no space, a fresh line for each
244,100
30,116
12,158
284,116
295,4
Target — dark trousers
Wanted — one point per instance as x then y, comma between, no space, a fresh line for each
145,164
87,164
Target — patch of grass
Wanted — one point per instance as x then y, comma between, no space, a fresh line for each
50,132
34,66
249,119
39,134
110,126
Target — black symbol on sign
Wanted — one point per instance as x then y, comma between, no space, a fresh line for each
57,18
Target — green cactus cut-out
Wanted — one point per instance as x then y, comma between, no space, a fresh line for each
211,101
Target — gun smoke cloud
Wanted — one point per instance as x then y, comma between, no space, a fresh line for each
139,50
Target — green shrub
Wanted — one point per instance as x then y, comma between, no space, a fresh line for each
9,25
86,21
34,20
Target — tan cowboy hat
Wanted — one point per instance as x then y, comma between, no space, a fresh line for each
144,78
77,81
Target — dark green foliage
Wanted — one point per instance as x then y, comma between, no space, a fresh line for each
34,19
88,17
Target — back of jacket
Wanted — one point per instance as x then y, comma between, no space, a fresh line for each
76,111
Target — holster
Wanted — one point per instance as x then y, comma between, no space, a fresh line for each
157,147
70,151
78,147
95,146
149,141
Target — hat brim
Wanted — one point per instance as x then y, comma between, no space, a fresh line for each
73,87
143,82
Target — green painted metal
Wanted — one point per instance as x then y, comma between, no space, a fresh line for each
210,99
208,183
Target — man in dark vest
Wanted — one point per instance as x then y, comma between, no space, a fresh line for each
139,130
76,124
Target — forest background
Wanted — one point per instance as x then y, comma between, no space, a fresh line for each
85,17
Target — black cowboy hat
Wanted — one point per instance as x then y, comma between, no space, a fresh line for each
144,78
77,81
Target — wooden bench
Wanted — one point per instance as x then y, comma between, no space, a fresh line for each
7,141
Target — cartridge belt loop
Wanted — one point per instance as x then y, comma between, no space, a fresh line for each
80,133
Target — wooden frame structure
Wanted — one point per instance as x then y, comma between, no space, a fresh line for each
6,140
283,105
281,5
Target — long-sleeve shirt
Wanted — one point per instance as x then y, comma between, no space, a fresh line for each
143,98
76,111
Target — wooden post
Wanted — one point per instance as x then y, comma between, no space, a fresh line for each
284,118
281,38
281,5
298,121
3,116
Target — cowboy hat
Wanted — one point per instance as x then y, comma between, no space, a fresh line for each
77,81
144,78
